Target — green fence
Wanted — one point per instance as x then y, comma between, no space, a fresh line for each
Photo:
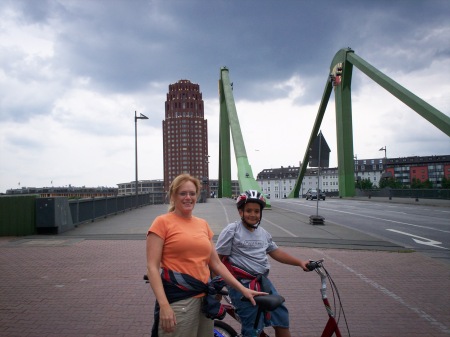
17,215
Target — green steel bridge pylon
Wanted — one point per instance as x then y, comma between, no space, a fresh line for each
340,78
229,122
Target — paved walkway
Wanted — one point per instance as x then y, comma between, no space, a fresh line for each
88,282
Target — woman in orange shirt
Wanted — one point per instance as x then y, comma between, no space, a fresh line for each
180,243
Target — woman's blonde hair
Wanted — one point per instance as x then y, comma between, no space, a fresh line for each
176,184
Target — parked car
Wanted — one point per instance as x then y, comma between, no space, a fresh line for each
312,194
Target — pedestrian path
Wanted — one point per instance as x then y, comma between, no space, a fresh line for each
88,282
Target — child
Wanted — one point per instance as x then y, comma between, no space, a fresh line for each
243,246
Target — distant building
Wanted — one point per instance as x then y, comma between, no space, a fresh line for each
185,133
214,187
278,183
144,186
370,169
157,186
67,191
432,168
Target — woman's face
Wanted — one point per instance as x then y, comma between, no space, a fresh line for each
185,198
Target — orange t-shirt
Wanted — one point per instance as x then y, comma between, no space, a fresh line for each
187,244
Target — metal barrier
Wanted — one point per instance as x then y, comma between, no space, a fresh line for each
88,210
443,194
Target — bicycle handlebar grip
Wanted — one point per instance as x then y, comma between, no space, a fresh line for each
312,265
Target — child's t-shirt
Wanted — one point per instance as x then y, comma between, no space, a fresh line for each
246,249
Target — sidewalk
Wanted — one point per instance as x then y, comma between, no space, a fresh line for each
88,282
95,288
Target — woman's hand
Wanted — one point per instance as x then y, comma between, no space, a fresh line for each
167,319
249,294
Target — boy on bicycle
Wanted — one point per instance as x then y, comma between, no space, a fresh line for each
243,246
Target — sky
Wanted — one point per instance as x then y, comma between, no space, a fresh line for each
73,73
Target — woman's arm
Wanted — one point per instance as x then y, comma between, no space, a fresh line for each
218,268
167,319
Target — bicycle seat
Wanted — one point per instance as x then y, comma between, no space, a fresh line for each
267,302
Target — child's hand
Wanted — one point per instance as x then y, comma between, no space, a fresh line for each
303,264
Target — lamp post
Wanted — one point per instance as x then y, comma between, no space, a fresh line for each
383,149
136,152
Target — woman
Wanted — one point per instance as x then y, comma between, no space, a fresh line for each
181,244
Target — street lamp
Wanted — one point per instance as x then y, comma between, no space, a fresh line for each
383,149
136,152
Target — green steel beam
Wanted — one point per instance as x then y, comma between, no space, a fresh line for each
323,106
228,107
343,126
224,183
431,114
341,75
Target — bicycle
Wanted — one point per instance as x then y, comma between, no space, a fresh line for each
332,326
271,302
222,329
265,303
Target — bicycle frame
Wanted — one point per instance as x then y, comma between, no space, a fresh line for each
273,301
332,326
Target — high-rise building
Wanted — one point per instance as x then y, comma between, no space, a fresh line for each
185,134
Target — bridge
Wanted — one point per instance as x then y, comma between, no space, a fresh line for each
340,77
289,229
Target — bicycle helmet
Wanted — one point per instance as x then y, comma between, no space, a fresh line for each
251,196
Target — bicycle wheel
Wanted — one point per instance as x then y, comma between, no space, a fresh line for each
222,329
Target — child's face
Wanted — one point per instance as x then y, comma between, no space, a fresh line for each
251,213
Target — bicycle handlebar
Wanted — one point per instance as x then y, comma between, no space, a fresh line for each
312,265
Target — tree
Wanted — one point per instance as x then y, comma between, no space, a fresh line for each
427,184
417,183
366,184
445,182
390,182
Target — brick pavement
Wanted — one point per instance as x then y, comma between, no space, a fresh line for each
73,287
88,282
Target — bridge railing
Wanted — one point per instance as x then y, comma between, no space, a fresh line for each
85,210
419,193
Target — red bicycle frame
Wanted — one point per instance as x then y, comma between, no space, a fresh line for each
332,326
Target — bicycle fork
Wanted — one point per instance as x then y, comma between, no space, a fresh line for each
331,326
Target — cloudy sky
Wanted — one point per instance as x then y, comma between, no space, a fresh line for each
73,72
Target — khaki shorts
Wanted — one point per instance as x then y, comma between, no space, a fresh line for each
190,320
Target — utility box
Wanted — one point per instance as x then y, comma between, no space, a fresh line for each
17,215
53,215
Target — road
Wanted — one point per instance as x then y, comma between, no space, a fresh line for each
423,228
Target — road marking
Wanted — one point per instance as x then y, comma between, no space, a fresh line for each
284,230
422,314
225,211
423,241
371,217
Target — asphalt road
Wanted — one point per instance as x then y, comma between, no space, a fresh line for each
422,227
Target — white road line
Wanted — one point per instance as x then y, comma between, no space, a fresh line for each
225,211
376,218
284,230
423,241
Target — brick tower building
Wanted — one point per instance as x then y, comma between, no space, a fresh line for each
185,134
